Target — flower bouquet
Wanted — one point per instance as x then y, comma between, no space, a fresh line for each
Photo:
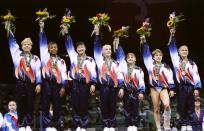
8,22
66,21
174,20
101,19
42,16
145,29
123,32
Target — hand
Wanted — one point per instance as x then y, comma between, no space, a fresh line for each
38,89
92,90
172,31
171,94
62,92
121,93
196,93
142,39
141,96
96,29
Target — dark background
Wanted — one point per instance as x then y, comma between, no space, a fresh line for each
122,12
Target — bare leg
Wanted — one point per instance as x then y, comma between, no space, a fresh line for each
156,106
164,96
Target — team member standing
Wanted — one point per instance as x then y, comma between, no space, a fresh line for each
188,80
134,86
83,73
110,80
161,81
54,74
28,80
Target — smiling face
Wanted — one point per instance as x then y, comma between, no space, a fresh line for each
183,51
12,106
106,50
131,59
157,55
197,103
53,48
26,45
81,48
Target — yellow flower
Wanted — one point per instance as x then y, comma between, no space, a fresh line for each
8,17
41,13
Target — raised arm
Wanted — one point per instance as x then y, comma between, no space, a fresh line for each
98,51
44,54
70,48
120,57
173,51
14,49
146,53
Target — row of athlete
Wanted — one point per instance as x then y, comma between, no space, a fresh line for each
116,78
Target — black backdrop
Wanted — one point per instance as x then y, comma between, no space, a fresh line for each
122,12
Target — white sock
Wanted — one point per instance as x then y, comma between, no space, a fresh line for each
167,119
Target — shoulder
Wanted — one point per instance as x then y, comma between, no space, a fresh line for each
138,68
115,62
166,65
7,115
61,60
36,58
191,62
89,58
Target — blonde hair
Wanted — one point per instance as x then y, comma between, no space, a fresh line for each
183,46
157,51
27,40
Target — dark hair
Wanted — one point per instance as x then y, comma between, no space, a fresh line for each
52,43
79,43
130,54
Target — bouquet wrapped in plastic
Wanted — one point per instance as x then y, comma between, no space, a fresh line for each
145,29
123,32
8,21
42,17
101,19
66,21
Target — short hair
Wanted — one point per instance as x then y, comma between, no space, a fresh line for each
183,46
51,43
27,40
79,43
157,51
11,102
130,54
105,45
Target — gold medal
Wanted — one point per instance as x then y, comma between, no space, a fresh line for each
54,70
183,73
80,71
157,77
27,68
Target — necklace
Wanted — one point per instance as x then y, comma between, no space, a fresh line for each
130,70
27,58
80,61
157,67
54,63
108,64
183,67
